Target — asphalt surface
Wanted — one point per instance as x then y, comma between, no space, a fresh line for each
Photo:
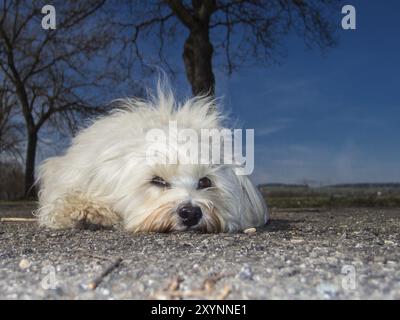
311,254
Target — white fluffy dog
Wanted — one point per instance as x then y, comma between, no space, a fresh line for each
105,178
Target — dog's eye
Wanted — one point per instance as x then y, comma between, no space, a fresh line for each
204,183
160,182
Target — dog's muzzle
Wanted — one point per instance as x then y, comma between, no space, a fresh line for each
190,215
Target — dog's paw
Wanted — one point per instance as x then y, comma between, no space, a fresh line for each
95,219
89,215
85,224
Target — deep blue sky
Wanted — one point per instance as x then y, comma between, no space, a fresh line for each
329,118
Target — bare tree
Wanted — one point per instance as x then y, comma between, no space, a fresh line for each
225,32
10,127
54,73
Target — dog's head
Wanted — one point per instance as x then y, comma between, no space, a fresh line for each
158,188
192,197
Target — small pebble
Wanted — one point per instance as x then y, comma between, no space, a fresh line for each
296,241
27,250
389,242
246,273
250,230
24,264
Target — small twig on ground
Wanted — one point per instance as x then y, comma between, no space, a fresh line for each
96,256
207,289
12,219
174,284
225,292
343,236
297,209
96,281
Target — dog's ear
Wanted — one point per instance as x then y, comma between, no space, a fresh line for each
255,210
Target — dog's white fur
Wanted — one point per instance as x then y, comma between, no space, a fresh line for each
104,178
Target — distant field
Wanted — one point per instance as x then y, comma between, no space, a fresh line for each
291,196
337,196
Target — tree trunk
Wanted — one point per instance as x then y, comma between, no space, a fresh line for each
30,190
197,56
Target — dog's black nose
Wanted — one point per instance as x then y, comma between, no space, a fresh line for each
190,215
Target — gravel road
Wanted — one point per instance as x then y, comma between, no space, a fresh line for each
327,254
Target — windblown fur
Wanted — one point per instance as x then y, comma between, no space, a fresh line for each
104,178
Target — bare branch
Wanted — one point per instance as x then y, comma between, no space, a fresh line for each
182,13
